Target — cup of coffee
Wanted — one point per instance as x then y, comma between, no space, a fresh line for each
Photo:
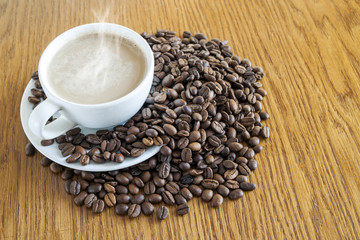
96,75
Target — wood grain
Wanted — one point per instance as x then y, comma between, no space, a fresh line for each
308,174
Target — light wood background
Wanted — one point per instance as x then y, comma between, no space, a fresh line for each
308,174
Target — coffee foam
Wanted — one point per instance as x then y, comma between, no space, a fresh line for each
96,68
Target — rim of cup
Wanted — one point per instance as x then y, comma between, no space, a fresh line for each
81,30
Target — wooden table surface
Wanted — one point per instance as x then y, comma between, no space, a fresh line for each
308,175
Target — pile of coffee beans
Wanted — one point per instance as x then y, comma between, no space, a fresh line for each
204,109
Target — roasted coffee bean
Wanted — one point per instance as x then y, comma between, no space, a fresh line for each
252,164
231,174
214,141
195,190
165,150
168,198
255,132
219,178
138,198
99,180
56,168
164,170
87,176
98,159
155,198
186,179
73,158
244,169
133,189
73,132
94,151
167,80
183,133
110,199
109,188
172,187
146,113
236,194
147,208
198,179
186,155
151,133
121,189
29,149
136,152
94,188
240,160
35,74
158,141
67,185
182,209
265,132
183,143
208,173
241,178
138,182
195,146
149,188
146,175
79,199
68,149
98,206
159,182
246,186
264,115
134,210
122,179
179,199
162,212
235,146
217,200
210,183
217,127
45,161
123,198
93,139
185,192
80,149
248,121
223,191
119,158
84,184
207,195
229,164
254,141
170,129
231,184
67,174
258,148
148,141
129,175
75,188
34,100
47,142
121,209
89,200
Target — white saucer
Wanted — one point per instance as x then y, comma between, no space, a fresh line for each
52,152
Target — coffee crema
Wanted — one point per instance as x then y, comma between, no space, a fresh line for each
96,68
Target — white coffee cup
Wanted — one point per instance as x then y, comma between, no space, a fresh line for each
101,115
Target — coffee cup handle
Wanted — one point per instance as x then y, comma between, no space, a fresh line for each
41,114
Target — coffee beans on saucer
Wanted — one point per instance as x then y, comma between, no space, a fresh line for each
204,109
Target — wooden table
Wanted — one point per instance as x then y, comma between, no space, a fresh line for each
308,183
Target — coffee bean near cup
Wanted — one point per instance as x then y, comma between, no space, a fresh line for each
96,75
